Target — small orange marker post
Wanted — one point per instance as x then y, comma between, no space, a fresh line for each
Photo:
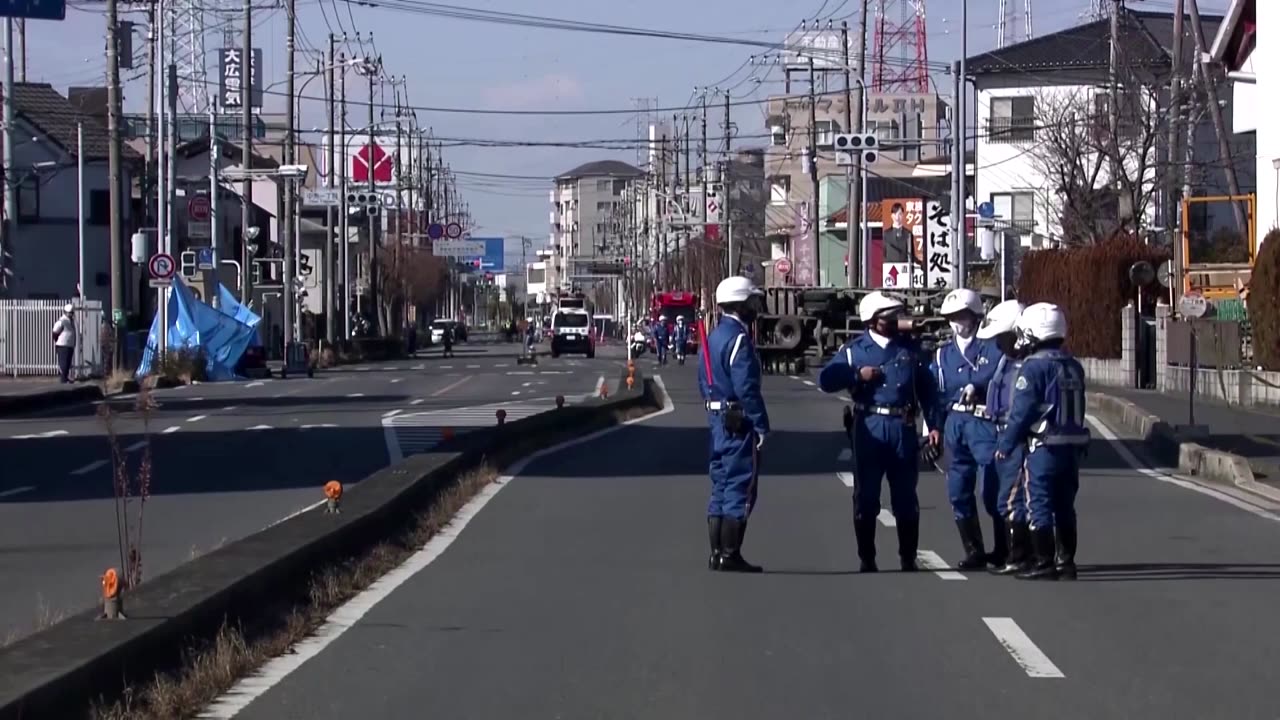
559,401
502,416
604,391
631,382
112,605
333,496
631,367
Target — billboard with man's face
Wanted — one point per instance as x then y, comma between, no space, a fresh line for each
902,221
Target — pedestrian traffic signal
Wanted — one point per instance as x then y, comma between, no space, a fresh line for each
188,264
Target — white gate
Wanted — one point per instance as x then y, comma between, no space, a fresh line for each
26,338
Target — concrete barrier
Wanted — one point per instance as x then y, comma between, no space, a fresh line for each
57,672
1175,449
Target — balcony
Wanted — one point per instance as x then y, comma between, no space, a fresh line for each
1007,131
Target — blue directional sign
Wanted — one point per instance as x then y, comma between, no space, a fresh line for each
34,9
494,258
204,258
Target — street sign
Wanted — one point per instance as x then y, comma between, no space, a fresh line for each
204,258
1165,273
782,266
389,200
161,266
435,231
160,282
457,248
1193,305
325,197
371,155
34,9
986,210
454,231
199,230
198,208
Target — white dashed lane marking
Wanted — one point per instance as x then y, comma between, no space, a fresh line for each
1029,657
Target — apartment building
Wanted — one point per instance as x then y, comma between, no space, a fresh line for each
585,205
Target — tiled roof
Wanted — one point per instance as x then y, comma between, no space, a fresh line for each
55,116
1147,39
603,168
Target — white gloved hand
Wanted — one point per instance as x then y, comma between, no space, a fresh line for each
760,440
967,394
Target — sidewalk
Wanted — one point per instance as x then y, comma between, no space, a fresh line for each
23,394
1253,433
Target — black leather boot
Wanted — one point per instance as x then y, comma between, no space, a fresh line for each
732,532
1044,568
971,537
1019,550
714,523
908,543
864,530
1066,536
1000,542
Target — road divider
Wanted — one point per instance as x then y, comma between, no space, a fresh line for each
262,581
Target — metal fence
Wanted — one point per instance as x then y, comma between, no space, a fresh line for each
26,338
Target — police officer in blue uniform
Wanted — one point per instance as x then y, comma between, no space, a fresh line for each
1048,416
660,339
729,380
681,338
887,377
963,367
1000,328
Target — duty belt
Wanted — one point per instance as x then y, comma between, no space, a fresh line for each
718,405
975,410
882,410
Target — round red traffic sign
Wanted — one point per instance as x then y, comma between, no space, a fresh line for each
198,208
161,266
782,265
453,230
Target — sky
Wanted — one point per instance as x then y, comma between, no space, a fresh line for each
459,63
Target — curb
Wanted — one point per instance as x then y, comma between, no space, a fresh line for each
57,672
85,392
1178,451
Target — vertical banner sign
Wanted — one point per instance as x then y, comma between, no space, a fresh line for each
803,249
940,246
902,220
231,77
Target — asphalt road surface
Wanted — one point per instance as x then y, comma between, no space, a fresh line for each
232,458
578,589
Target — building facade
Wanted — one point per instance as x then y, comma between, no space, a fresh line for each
585,206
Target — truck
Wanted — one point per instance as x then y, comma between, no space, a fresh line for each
672,304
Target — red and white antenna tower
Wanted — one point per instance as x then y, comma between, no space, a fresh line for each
900,58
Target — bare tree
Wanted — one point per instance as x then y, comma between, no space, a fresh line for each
411,277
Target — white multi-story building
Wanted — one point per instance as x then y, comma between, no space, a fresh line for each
584,206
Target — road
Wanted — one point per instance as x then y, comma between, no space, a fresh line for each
579,590
231,458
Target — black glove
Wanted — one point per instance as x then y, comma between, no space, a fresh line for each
929,454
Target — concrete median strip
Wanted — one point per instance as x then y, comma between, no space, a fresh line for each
1172,449
264,582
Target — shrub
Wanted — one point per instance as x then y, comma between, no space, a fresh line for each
183,366
1264,303
1091,284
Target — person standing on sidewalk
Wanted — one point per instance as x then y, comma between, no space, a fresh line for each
64,342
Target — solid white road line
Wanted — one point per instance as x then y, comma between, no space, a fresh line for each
89,468
171,429
355,395
197,418
260,427
350,613
450,386
419,401
37,436
1024,652
1185,483
17,491
390,413
933,561
136,446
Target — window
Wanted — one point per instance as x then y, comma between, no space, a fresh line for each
1128,122
884,130
537,275
604,185
569,320
605,207
827,130
1012,120
619,186
779,189
778,135
99,207
1017,209
29,199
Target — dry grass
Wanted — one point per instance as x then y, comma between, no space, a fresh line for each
208,671
115,382
45,617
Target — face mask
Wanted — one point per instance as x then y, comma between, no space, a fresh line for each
962,329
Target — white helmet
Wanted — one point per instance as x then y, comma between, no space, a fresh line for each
962,299
1001,319
69,308
679,319
875,303
1041,322
662,318
736,288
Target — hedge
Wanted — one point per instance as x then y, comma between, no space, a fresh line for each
1264,303
1091,284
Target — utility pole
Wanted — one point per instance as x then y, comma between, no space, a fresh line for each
9,177
1113,80
149,176
22,49
114,189
1215,112
661,205
215,225
246,149
813,177
332,167
959,233
1173,146
343,210
726,204
702,152
853,209
289,291
373,219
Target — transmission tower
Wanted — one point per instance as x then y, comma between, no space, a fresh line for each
186,30
900,58
1007,30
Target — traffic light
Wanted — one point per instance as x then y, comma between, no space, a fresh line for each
188,264
854,144
370,202
257,272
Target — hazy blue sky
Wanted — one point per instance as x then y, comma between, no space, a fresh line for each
466,64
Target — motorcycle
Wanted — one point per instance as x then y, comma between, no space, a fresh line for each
638,345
